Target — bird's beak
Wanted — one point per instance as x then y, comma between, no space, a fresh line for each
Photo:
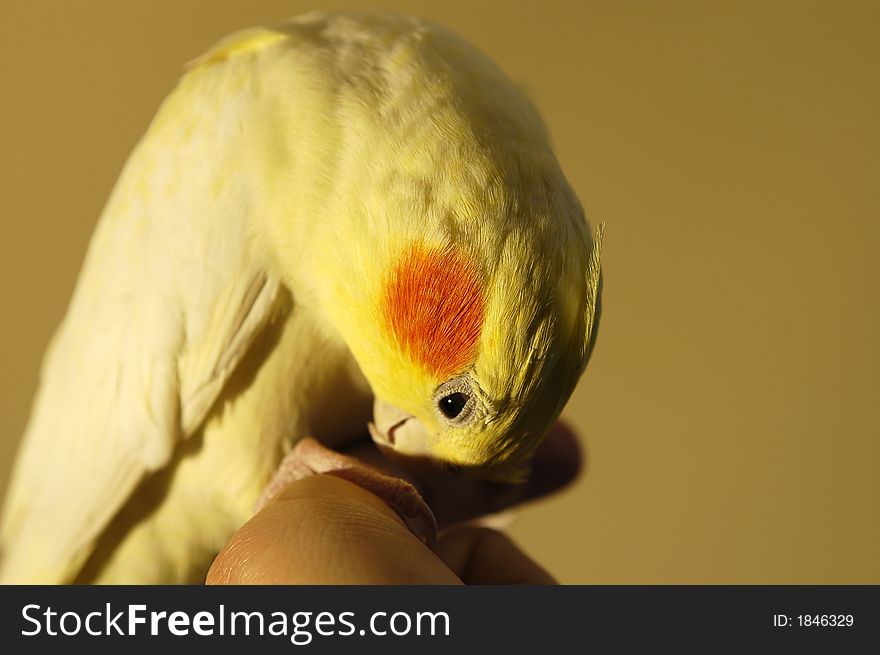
394,430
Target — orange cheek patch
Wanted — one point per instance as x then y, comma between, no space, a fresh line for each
434,306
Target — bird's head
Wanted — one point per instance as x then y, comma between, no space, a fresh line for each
471,312
480,357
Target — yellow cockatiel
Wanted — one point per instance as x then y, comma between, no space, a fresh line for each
348,206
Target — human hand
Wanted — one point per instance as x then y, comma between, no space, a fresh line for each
327,529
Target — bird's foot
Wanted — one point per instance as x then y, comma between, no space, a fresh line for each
309,458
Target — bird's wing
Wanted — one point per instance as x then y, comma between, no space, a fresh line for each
173,291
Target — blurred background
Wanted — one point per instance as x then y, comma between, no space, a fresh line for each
731,412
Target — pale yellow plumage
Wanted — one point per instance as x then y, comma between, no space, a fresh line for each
229,301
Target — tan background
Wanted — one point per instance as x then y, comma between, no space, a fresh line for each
731,413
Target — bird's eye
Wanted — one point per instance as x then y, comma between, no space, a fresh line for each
452,404
456,402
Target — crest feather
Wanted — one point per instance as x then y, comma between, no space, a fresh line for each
594,273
